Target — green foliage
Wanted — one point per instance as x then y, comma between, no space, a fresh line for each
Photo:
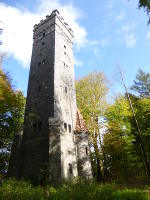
20,190
11,116
142,84
142,111
11,107
121,141
120,155
145,4
91,93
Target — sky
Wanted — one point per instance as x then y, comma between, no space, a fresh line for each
107,33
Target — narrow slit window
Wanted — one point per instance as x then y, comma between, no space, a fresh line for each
65,126
43,34
43,43
39,126
66,90
43,61
69,127
34,126
86,150
65,46
39,88
70,169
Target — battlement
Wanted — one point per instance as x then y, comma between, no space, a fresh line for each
48,17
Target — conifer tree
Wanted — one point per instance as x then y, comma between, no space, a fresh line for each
142,84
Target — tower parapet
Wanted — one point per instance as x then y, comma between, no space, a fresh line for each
55,14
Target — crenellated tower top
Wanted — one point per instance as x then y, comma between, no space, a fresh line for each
53,14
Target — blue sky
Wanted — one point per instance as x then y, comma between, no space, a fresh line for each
107,33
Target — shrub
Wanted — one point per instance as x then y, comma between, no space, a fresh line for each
21,190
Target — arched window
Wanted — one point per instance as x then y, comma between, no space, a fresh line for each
70,169
39,88
43,61
39,126
34,126
65,126
66,90
86,150
69,127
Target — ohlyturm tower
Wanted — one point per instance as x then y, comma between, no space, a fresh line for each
54,143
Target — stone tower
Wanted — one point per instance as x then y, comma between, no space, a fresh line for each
50,145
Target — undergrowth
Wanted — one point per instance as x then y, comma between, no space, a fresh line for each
80,190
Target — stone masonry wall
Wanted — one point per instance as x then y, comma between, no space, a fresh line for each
65,97
84,162
40,99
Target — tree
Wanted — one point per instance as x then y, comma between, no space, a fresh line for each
121,141
91,101
142,110
142,84
91,92
138,132
11,115
118,140
145,4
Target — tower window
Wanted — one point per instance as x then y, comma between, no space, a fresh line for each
34,126
64,64
65,53
43,61
43,43
86,150
70,169
64,46
43,34
69,127
39,126
39,63
39,88
65,126
66,90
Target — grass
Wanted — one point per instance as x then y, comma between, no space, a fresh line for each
21,190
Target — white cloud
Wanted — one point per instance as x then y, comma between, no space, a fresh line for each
93,42
128,27
18,26
105,41
77,62
102,42
109,4
97,53
127,31
130,40
120,17
148,35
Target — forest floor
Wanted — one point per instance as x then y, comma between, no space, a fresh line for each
80,190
